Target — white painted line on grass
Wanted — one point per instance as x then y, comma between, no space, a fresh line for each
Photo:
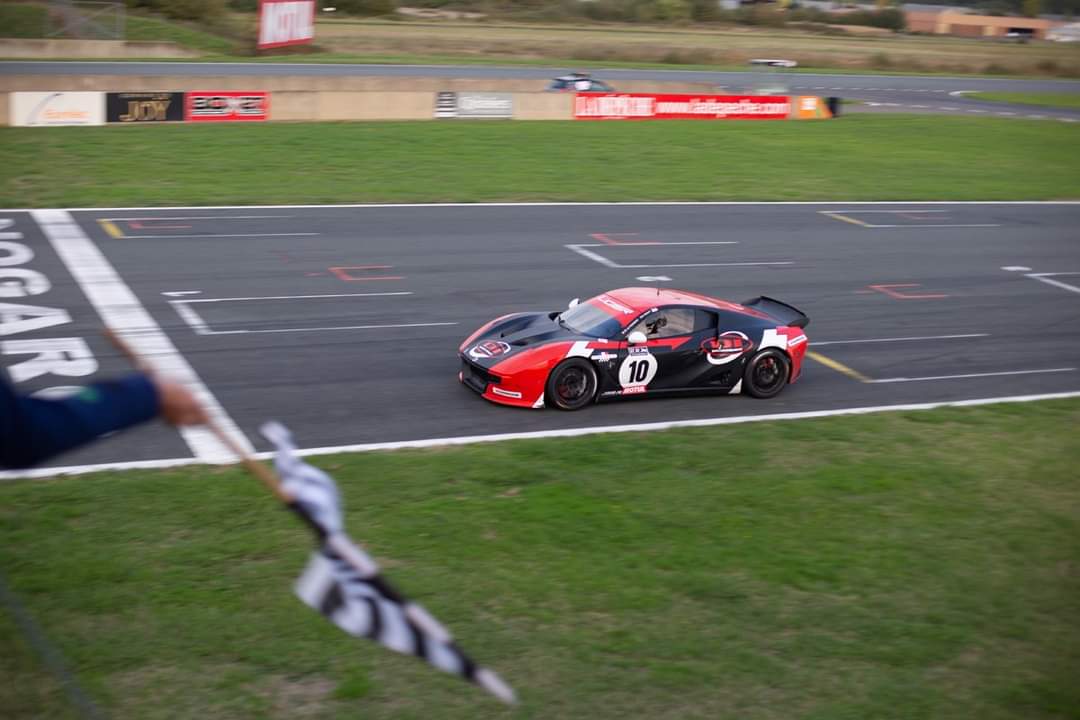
122,312
541,434
899,339
972,375
642,203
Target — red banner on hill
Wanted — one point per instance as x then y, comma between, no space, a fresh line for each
286,22
644,106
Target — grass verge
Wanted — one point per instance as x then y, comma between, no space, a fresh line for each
908,157
19,20
1067,100
140,27
911,565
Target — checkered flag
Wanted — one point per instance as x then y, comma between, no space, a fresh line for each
344,583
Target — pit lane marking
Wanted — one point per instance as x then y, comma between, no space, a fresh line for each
580,250
845,215
201,327
1045,278
838,367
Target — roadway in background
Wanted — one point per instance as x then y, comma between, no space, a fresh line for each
344,322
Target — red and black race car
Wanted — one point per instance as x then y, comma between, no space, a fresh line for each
635,341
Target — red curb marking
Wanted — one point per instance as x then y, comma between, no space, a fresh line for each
904,296
342,273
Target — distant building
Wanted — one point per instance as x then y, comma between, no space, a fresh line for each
961,24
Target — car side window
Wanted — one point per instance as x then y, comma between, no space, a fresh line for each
704,320
667,323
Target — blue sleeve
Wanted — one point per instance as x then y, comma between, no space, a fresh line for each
35,429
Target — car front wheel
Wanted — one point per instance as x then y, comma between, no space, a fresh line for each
571,385
767,373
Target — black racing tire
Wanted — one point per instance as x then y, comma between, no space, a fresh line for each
766,373
571,385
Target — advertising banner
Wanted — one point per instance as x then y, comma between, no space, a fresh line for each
41,109
226,106
477,105
138,107
286,22
644,106
809,107
445,104
485,105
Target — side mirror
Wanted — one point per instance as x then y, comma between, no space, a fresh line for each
637,338
573,303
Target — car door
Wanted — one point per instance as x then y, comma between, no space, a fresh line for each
661,363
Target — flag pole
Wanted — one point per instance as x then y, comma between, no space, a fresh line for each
265,475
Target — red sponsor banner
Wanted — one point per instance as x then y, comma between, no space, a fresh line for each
227,106
286,22
644,106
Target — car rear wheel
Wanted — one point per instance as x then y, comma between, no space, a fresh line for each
571,385
767,373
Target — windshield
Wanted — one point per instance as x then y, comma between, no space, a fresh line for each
590,320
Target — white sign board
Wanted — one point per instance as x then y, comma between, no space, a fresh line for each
286,22
57,108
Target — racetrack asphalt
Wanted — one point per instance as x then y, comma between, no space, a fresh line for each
344,322
881,93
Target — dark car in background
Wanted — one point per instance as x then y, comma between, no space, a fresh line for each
578,82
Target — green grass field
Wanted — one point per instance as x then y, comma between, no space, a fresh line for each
917,565
1068,100
855,157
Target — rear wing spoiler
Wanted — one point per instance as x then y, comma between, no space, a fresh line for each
786,314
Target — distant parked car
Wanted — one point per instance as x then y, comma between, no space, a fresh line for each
578,82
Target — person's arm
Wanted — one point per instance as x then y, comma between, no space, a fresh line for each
35,429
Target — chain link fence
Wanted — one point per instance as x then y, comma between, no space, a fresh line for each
81,20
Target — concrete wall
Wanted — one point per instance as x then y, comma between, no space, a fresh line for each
47,49
543,106
177,83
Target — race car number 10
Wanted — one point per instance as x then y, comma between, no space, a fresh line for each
637,371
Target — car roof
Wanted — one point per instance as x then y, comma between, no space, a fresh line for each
640,299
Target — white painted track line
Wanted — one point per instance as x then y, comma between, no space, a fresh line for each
701,203
971,375
574,432
899,339
1042,277
291,297
122,312
228,235
198,217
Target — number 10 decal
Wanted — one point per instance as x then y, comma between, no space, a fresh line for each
637,370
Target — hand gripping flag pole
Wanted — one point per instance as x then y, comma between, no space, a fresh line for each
341,580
